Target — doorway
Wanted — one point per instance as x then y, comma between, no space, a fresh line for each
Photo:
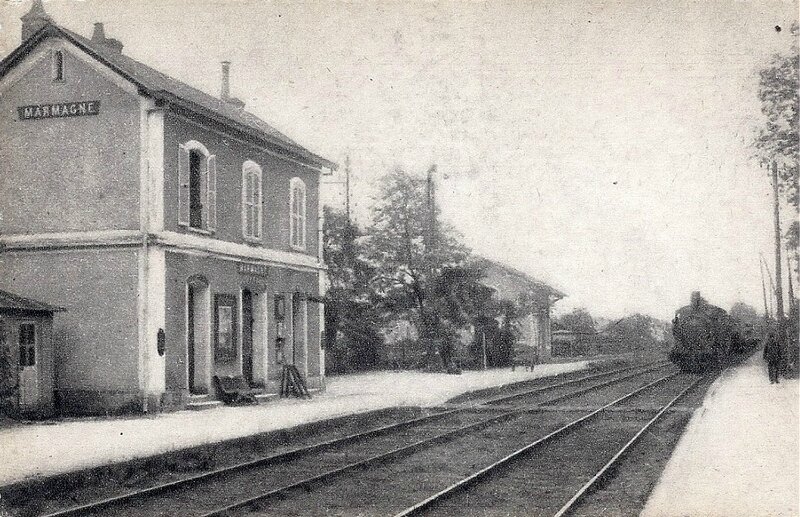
197,337
28,373
247,335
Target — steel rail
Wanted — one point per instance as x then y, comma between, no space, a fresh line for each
396,453
643,368
259,462
477,476
569,505
301,451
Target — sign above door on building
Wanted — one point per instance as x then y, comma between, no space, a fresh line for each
59,110
253,269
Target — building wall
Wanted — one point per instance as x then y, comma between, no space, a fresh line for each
224,277
71,173
96,338
231,154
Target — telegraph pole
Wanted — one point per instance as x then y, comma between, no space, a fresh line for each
763,290
431,200
347,185
778,282
789,277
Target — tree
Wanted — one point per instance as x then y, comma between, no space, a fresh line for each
350,301
638,331
745,313
579,320
777,139
410,250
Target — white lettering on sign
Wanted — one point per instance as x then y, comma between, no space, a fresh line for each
253,269
58,110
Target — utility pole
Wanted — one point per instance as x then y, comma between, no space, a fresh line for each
771,287
789,277
763,290
778,282
431,201
347,185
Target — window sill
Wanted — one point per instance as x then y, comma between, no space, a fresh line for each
201,231
297,248
254,241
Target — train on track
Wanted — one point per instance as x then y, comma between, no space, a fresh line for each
707,337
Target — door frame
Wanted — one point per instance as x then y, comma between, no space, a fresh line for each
200,361
27,400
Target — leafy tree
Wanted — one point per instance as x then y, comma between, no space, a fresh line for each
411,250
350,302
579,320
745,313
777,140
8,376
638,331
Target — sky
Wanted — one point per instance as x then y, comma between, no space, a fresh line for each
601,146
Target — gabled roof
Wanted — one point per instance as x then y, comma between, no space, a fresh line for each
166,89
521,279
9,301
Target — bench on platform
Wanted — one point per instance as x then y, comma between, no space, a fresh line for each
524,355
235,390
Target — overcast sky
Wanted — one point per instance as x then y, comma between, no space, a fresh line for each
601,146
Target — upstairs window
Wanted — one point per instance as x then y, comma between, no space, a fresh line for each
251,201
297,213
58,65
197,192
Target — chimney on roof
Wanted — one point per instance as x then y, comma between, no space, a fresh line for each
225,90
34,19
99,36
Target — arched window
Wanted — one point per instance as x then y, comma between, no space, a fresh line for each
197,192
251,201
297,213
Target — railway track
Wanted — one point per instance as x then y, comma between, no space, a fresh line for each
219,492
554,480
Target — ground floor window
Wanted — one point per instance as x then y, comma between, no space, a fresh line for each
225,328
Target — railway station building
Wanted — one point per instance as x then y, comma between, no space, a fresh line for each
510,284
179,232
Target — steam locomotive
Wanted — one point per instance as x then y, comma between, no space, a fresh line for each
705,336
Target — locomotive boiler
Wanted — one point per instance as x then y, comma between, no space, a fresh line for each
703,336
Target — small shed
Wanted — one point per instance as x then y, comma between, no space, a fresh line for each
26,356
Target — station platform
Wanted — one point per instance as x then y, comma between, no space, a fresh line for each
738,456
42,449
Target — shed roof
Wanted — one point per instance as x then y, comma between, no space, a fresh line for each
162,87
13,302
518,280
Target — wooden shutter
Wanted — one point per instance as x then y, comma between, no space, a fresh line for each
211,194
245,207
183,185
258,205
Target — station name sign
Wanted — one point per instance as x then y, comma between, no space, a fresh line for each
59,110
253,269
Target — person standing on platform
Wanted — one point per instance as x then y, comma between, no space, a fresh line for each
772,355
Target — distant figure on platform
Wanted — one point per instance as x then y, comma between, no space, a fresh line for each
772,355
534,358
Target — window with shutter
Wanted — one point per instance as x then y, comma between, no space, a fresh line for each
251,201
211,194
183,186
197,186
297,216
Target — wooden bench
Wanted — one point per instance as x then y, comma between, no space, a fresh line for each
524,355
235,390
